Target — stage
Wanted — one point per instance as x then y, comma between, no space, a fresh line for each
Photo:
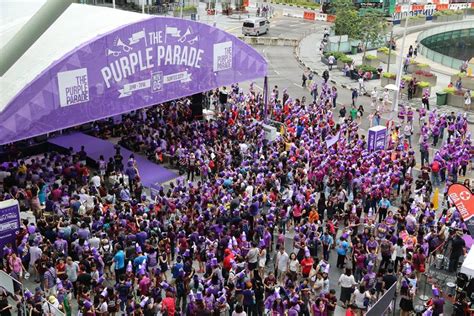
150,173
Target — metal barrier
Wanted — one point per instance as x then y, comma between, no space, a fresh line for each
8,283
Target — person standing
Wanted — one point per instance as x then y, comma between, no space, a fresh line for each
119,262
327,242
384,204
282,261
347,283
331,60
325,75
354,96
458,248
342,249
467,100
304,78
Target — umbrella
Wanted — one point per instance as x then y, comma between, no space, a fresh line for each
391,86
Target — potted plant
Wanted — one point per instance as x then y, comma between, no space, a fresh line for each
426,76
388,78
455,97
383,54
371,60
467,81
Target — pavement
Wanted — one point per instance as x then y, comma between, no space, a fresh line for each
309,56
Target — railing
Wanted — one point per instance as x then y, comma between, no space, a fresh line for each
438,57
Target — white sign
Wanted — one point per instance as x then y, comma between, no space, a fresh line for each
222,56
73,87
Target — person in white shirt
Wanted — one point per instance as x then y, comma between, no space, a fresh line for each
347,282
282,261
95,180
35,254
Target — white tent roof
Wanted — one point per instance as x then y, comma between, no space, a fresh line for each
468,264
78,24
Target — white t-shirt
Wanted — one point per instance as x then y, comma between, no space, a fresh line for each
96,181
294,264
359,298
347,281
252,255
282,261
234,313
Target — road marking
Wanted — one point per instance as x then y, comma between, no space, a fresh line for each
258,87
276,71
297,85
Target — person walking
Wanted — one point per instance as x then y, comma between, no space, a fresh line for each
467,100
354,96
325,75
331,61
347,283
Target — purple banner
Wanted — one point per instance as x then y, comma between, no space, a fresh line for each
9,222
138,65
377,138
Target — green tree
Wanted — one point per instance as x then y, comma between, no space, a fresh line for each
373,28
347,19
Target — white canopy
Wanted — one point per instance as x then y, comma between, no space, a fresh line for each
468,264
78,24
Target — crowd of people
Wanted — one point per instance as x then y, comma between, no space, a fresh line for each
253,228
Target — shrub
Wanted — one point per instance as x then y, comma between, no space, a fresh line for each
389,75
461,74
336,55
384,50
406,78
367,68
423,73
423,84
438,13
345,59
451,90
370,57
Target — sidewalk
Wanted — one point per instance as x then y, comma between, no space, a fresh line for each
308,54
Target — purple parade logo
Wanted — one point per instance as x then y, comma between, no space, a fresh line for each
138,65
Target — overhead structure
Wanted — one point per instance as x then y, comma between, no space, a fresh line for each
141,62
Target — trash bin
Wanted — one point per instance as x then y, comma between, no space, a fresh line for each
354,50
441,98
193,16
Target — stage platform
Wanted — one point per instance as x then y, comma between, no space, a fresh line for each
150,173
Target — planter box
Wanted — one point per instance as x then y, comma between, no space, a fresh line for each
385,81
456,100
419,92
448,18
467,82
324,60
340,64
412,68
432,80
384,58
371,62
413,22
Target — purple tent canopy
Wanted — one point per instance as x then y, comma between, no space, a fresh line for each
137,65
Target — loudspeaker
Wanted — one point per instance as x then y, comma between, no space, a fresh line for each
197,105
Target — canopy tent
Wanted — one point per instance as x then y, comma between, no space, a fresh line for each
139,61
468,264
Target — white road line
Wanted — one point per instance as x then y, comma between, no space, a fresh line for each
297,85
276,71
258,87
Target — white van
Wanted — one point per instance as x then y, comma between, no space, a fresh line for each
255,26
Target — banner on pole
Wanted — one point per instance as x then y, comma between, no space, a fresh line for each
462,198
9,222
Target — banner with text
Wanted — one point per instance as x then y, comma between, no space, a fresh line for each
9,223
463,199
138,65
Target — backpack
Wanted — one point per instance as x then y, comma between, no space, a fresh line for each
435,166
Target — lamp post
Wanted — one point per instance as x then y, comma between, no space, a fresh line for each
400,68
215,14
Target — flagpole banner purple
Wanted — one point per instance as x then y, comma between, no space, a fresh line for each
9,222
137,65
